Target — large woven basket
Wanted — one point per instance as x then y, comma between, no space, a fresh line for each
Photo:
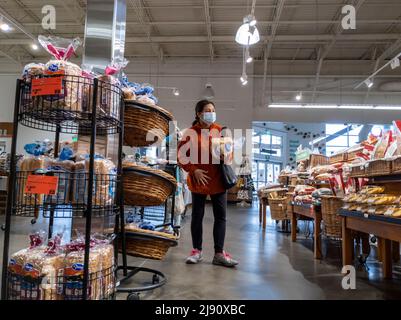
283,180
396,165
358,171
317,160
141,120
378,167
278,209
352,155
338,157
145,186
147,243
331,220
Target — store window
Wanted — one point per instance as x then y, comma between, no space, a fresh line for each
341,136
267,156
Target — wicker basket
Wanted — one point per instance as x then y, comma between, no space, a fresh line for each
378,167
148,244
278,209
318,160
358,171
274,193
283,180
145,186
290,198
396,165
332,221
293,180
140,120
352,155
338,157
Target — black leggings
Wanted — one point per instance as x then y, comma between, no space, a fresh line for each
219,202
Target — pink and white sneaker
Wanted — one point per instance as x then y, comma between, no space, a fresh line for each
224,259
195,257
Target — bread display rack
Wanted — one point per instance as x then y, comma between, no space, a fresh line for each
85,106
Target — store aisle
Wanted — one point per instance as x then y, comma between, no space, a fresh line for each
271,267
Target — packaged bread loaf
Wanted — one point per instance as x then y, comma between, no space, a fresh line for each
74,271
32,70
104,182
45,269
61,49
17,259
106,251
108,96
63,169
27,166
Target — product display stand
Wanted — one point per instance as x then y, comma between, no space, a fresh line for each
158,278
60,113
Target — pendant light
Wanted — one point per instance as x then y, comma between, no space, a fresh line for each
248,33
208,93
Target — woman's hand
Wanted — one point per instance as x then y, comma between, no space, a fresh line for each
201,177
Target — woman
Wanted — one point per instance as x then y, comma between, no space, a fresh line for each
205,178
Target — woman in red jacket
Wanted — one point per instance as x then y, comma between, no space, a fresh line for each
205,178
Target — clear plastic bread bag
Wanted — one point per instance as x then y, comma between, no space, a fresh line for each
73,85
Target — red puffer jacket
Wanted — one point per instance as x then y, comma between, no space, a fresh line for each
199,135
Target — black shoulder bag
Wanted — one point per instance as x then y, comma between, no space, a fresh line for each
229,177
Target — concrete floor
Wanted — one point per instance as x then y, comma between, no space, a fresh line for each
271,266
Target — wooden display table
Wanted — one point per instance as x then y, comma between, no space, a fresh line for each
311,212
387,230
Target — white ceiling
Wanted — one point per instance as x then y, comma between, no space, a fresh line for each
300,38
180,27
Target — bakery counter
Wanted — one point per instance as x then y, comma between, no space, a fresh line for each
387,230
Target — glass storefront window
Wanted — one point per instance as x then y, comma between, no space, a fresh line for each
266,138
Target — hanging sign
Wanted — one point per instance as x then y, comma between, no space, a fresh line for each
302,155
46,86
38,184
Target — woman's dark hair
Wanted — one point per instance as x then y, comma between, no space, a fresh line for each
199,108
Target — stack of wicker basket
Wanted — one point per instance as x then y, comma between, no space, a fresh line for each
143,185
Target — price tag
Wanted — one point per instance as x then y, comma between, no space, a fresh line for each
38,184
366,215
46,86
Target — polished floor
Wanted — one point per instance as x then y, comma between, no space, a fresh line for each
271,266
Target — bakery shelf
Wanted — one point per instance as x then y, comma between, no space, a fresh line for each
70,198
71,110
359,214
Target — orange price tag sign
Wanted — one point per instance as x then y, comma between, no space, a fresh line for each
46,86
37,184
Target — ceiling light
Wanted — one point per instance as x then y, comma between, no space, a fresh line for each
208,93
398,108
250,18
244,79
298,97
34,46
285,106
247,35
369,83
356,107
5,27
395,63
248,57
176,92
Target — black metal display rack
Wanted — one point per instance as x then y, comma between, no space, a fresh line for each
84,106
